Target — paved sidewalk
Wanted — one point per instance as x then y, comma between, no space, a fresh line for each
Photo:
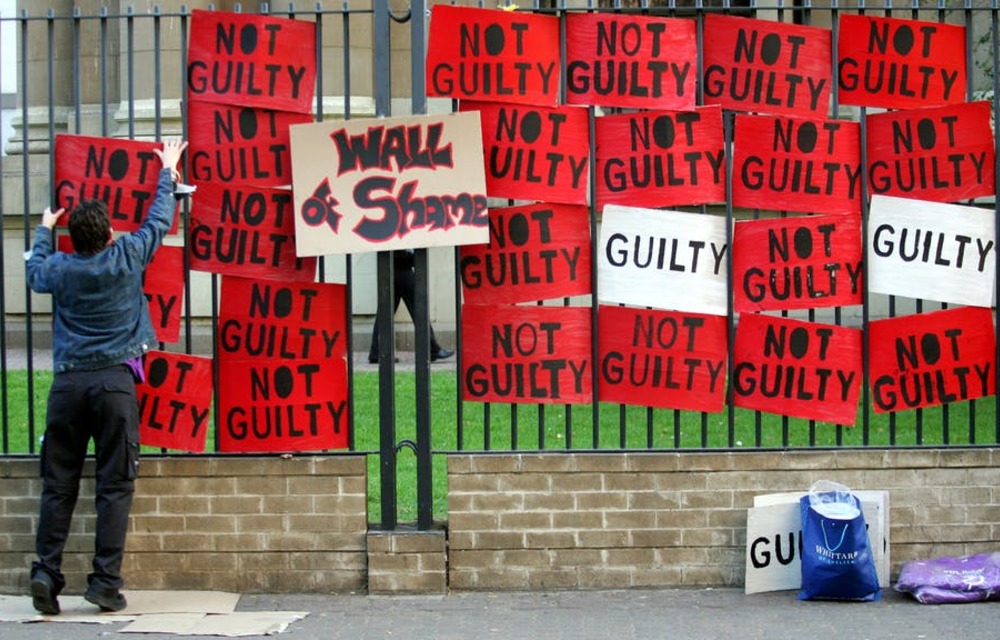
589,615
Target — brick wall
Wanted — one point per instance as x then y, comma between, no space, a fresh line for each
516,521
243,524
620,520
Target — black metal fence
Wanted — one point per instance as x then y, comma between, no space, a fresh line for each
122,74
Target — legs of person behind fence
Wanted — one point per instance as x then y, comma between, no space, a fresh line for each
83,405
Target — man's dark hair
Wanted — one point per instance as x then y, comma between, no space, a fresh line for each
89,227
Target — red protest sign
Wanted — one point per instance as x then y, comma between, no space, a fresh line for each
241,145
900,64
175,401
792,164
485,54
247,232
765,66
660,158
526,354
797,263
942,154
633,61
534,153
932,358
536,252
121,173
282,366
665,359
796,368
252,60
163,286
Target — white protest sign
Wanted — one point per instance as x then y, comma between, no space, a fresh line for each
932,251
389,183
774,539
663,259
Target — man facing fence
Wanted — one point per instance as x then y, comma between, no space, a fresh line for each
101,329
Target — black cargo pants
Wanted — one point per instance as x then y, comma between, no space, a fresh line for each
101,406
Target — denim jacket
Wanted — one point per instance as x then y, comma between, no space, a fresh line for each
100,314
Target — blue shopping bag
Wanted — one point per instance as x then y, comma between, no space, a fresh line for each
837,562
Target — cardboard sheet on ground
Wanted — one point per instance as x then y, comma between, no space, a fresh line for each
74,609
140,603
243,623
154,602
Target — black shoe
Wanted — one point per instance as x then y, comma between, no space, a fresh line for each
441,354
43,596
107,602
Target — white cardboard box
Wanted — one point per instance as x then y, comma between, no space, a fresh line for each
774,539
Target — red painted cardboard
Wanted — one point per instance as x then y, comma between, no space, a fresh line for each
526,354
631,61
536,252
664,359
660,158
931,358
796,368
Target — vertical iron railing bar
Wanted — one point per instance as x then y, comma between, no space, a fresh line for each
568,408
29,338
622,421
866,300
4,388
650,428
678,434
424,426
130,77
969,97
185,210
386,293
728,119
995,42
104,69
541,427
595,406
513,426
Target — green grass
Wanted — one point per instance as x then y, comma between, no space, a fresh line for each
558,427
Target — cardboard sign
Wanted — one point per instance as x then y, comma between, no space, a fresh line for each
485,54
797,263
792,164
526,354
796,368
932,358
774,540
928,250
241,145
247,232
662,359
252,60
900,64
282,367
535,153
942,154
766,66
389,183
175,401
163,286
663,259
121,173
633,61
536,252
661,158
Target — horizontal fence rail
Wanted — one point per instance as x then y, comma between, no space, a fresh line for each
123,75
